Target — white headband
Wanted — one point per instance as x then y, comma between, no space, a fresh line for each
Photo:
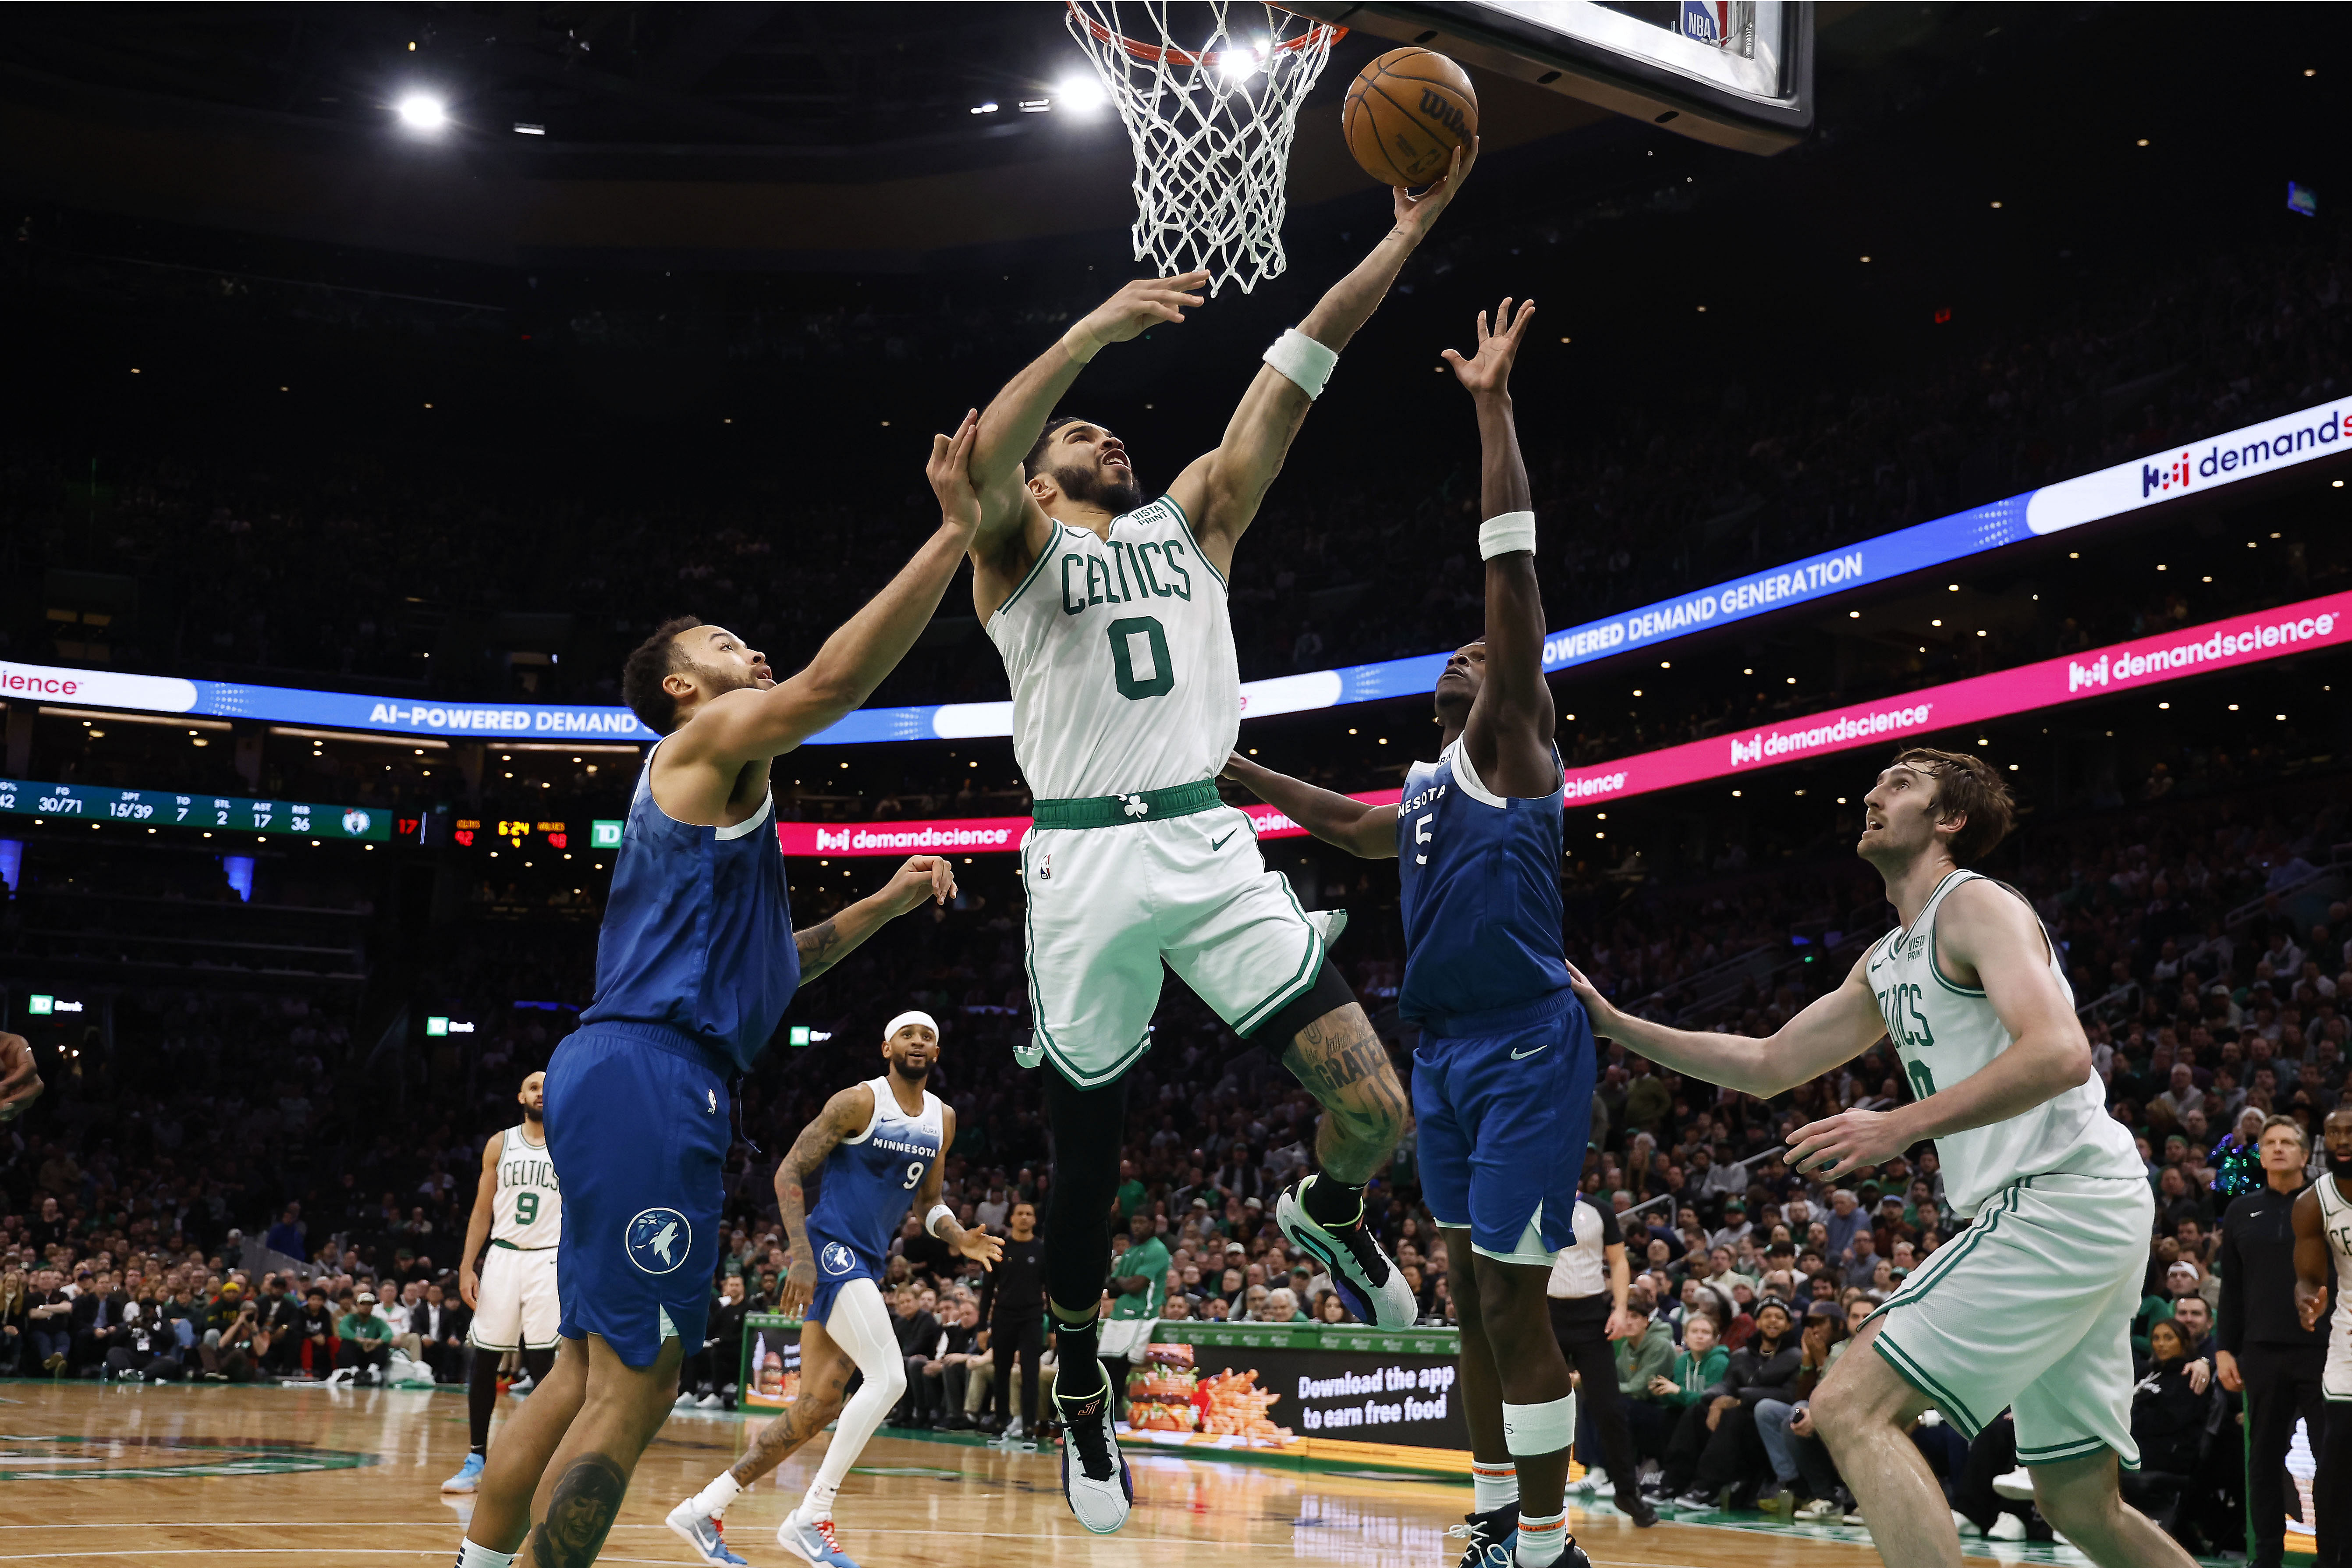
913,1015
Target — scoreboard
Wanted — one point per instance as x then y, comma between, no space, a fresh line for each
167,808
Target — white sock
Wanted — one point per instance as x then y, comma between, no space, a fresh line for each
1493,1486
473,1554
1541,1541
712,1501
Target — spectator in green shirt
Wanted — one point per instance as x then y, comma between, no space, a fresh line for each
1133,1196
1646,1356
1139,1287
1697,1367
363,1340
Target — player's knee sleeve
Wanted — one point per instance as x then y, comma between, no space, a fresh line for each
1544,1428
860,1324
1326,995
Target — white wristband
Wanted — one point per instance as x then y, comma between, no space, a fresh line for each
938,1212
1306,361
1502,535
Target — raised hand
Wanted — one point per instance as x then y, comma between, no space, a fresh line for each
1489,370
1415,214
1134,310
950,472
982,1247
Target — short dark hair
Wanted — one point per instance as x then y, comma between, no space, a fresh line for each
1037,448
649,664
1966,787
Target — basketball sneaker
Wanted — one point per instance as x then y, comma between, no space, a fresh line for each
1367,1279
813,1541
1493,1537
703,1533
1098,1488
468,1477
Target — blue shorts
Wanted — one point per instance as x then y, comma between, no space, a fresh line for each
638,1124
1503,1103
838,1263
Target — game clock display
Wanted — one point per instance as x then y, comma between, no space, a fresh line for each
165,808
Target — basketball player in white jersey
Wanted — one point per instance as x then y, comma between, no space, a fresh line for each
2322,1231
519,1210
1109,610
2029,1308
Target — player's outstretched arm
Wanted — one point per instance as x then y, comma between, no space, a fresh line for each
939,1220
1222,491
1984,928
830,941
1510,730
2311,1271
749,725
477,1227
1829,1031
1016,415
1368,831
20,1075
843,1116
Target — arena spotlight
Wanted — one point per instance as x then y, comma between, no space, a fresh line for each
422,111
1080,93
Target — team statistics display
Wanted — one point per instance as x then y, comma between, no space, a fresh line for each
163,809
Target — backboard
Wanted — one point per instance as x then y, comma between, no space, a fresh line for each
1736,73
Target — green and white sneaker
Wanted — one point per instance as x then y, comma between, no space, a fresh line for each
1365,1277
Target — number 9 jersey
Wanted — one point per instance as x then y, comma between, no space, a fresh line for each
531,1205
868,1182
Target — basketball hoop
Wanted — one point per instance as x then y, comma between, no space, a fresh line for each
1212,123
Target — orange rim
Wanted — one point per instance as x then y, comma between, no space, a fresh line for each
1168,54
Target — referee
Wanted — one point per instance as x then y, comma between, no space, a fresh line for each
2265,1351
1588,1284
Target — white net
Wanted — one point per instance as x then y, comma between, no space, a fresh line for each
1211,117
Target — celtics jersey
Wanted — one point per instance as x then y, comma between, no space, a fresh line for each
1946,1032
530,1211
2336,1224
1121,660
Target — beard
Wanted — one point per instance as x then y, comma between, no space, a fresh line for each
2338,1165
899,1069
1092,485
535,1118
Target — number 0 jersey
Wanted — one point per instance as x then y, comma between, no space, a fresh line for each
869,1182
1946,1032
529,1214
1121,660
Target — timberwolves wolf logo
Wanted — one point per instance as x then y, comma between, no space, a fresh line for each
837,1259
657,1240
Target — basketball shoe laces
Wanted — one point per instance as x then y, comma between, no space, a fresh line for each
1084,1429
1357,1238
823,1527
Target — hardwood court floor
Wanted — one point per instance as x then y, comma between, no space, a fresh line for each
132,1475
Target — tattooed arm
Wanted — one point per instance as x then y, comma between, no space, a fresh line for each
843,1116
829,941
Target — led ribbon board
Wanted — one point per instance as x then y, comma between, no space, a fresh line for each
2304,628
2165,476
168,808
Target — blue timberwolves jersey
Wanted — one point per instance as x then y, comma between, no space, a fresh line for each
869,1182
1481,876
698,934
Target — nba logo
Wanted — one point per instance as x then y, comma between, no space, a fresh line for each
1045,868
1707,21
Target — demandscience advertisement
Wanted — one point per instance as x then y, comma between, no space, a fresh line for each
2166,476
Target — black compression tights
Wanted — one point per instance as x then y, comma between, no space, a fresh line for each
1086,1126
482,1388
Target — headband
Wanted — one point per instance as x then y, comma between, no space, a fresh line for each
912,1015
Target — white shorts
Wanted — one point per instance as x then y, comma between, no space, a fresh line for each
520,1309
2030,1309
1109,905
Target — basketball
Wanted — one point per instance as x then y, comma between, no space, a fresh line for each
1406,112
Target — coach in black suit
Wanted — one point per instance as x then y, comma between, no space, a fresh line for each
441,1323
2264,1350
97,1324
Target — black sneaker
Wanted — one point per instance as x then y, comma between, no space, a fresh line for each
1493,1537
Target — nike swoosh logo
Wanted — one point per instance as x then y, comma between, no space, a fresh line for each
1220,844
1517,1056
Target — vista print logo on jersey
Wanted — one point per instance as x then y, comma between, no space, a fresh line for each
836,1257
657,1240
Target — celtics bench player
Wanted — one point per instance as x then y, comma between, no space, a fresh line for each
1110,614
2028,1309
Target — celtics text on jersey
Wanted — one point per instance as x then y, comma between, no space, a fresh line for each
1946,1032
1120,656
530,1211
